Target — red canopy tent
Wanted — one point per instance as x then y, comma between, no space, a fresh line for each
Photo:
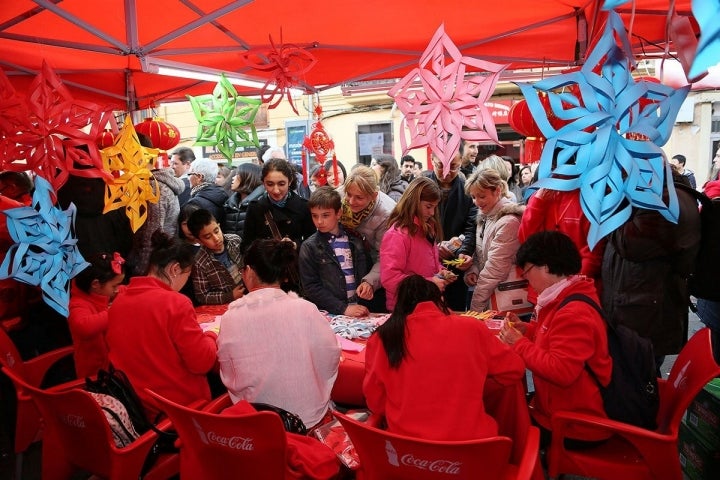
105,50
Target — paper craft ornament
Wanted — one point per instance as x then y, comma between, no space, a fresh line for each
321,145
450,104
49,132
707,15
45,252
287,64
132,189
596,145
224,118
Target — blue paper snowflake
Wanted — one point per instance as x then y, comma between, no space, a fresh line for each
605,135
45,253
707,14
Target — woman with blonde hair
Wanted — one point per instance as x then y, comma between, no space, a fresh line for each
496,237
365,210
410,244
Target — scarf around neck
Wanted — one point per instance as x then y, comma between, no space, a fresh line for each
353,220
281,203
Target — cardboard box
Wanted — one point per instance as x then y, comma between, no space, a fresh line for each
703,414
699,461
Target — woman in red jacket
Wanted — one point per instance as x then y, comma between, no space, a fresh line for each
153,334
92,291
426,368
560,344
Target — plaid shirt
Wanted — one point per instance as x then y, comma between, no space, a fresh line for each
212,282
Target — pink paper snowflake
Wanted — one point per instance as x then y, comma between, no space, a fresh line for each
450,104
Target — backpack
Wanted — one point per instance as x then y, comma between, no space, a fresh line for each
117,417
116,384
632,394
701,282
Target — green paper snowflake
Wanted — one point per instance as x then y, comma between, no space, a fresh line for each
224,117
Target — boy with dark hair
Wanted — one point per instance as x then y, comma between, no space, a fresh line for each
217,272
332,261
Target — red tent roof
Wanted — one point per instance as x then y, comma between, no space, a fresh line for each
97,47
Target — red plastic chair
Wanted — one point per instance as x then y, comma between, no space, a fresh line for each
387,456
214,446
27,424
77,437
634,452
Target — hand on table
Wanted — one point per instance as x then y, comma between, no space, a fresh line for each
355,310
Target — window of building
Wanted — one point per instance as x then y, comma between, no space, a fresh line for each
374,139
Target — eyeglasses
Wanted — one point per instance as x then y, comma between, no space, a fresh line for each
194,173
525,272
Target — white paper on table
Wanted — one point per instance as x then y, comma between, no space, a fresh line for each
213,326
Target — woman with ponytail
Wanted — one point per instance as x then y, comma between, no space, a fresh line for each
275,347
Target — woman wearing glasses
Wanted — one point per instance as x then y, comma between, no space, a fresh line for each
496,240
565,341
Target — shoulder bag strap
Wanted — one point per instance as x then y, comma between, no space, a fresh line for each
270,222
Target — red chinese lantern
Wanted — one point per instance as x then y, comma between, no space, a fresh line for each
162,134
105,139
521,120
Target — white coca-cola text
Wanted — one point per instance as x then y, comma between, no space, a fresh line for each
235,442
440,466
74,420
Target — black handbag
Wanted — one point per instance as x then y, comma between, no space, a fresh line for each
291,422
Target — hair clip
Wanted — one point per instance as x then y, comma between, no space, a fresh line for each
116,263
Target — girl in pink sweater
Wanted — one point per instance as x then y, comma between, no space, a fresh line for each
92,291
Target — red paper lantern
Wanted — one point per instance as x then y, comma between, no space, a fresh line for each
162,134
105,139
521,120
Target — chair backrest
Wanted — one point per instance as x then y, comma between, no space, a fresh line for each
213,445
384,455
694,367
75,424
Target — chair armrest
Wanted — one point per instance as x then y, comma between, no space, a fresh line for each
642,439
79,383
35,368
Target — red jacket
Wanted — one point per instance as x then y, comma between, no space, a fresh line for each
555,210
154,337
557,347
88,321
437,391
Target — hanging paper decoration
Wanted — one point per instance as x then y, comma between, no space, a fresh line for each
611,4
707,14
450,105
594,150
224,117
320,144
45,252
49,132
286,63
162,134
132,189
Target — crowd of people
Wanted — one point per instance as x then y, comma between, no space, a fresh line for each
421,246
